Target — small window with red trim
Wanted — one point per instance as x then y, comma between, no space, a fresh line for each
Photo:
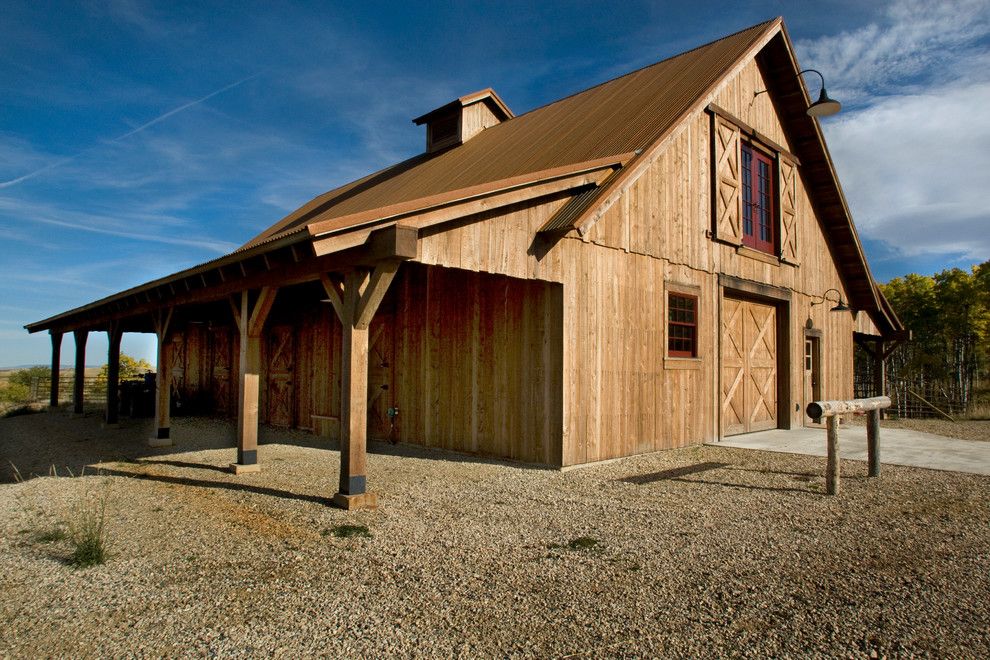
682,325
758,200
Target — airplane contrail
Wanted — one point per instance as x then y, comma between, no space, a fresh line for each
160,118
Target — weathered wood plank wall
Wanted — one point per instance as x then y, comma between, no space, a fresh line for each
522,367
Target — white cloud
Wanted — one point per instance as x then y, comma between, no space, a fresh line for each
135,226
917,41
912,147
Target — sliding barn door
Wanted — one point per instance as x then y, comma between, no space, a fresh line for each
749,366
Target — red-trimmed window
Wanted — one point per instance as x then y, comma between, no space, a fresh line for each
757,200
682,325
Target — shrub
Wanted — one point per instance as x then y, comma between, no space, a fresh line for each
87,533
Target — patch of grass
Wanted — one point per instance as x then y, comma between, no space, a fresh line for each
53,535
580,543
349,531
87,533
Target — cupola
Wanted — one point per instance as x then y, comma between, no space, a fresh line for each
462,119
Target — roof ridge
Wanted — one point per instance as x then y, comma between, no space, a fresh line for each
646,66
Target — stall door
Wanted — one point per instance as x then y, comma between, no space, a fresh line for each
220,363
812,376
281,364
749,366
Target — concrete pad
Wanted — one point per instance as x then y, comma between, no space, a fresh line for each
897,447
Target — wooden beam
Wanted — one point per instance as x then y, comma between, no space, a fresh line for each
373,293
56,367
235,308
334,294
832,461
356,304
79,384
114,335
262,306
468,201
250,323
163,382
352,490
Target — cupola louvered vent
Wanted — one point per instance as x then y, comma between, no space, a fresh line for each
463,118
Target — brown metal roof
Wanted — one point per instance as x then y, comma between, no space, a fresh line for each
612,121
622,115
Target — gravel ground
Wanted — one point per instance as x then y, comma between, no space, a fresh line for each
963,429
706,550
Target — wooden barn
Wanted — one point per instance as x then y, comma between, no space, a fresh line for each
661,260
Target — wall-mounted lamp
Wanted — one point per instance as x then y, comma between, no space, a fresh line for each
824,106
840,307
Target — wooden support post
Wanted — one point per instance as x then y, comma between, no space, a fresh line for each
79,384
873,441
163,398
251,322
879,373
832,466
56,367
355,306
113,373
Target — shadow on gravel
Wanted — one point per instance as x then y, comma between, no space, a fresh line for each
680,474
219,485
182,464
674,473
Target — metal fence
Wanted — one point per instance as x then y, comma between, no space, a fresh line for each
94,389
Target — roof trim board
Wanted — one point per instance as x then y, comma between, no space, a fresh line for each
355,220
620,184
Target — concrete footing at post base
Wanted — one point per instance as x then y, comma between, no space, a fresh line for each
368,501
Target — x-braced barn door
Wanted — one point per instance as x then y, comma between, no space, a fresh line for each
281,365
177,370
220,363
380,360
749,366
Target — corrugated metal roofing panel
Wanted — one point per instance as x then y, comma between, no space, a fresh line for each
625,114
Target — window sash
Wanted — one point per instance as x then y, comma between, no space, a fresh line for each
758,200
682,325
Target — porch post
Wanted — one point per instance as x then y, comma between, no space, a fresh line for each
113,372
56,366
353,397
355,305
79,384
163,394
250,322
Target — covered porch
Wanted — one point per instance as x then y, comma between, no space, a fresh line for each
241,290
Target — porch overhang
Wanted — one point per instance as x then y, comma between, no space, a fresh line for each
285,262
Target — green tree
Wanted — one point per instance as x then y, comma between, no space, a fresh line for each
20,384
129,368
949,315
27,376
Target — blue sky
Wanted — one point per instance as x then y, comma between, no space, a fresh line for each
139,138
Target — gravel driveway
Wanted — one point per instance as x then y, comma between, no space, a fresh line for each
701,551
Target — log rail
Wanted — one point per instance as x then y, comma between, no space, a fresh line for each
833,410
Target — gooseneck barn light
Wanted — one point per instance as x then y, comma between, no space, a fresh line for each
840,307
825,105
